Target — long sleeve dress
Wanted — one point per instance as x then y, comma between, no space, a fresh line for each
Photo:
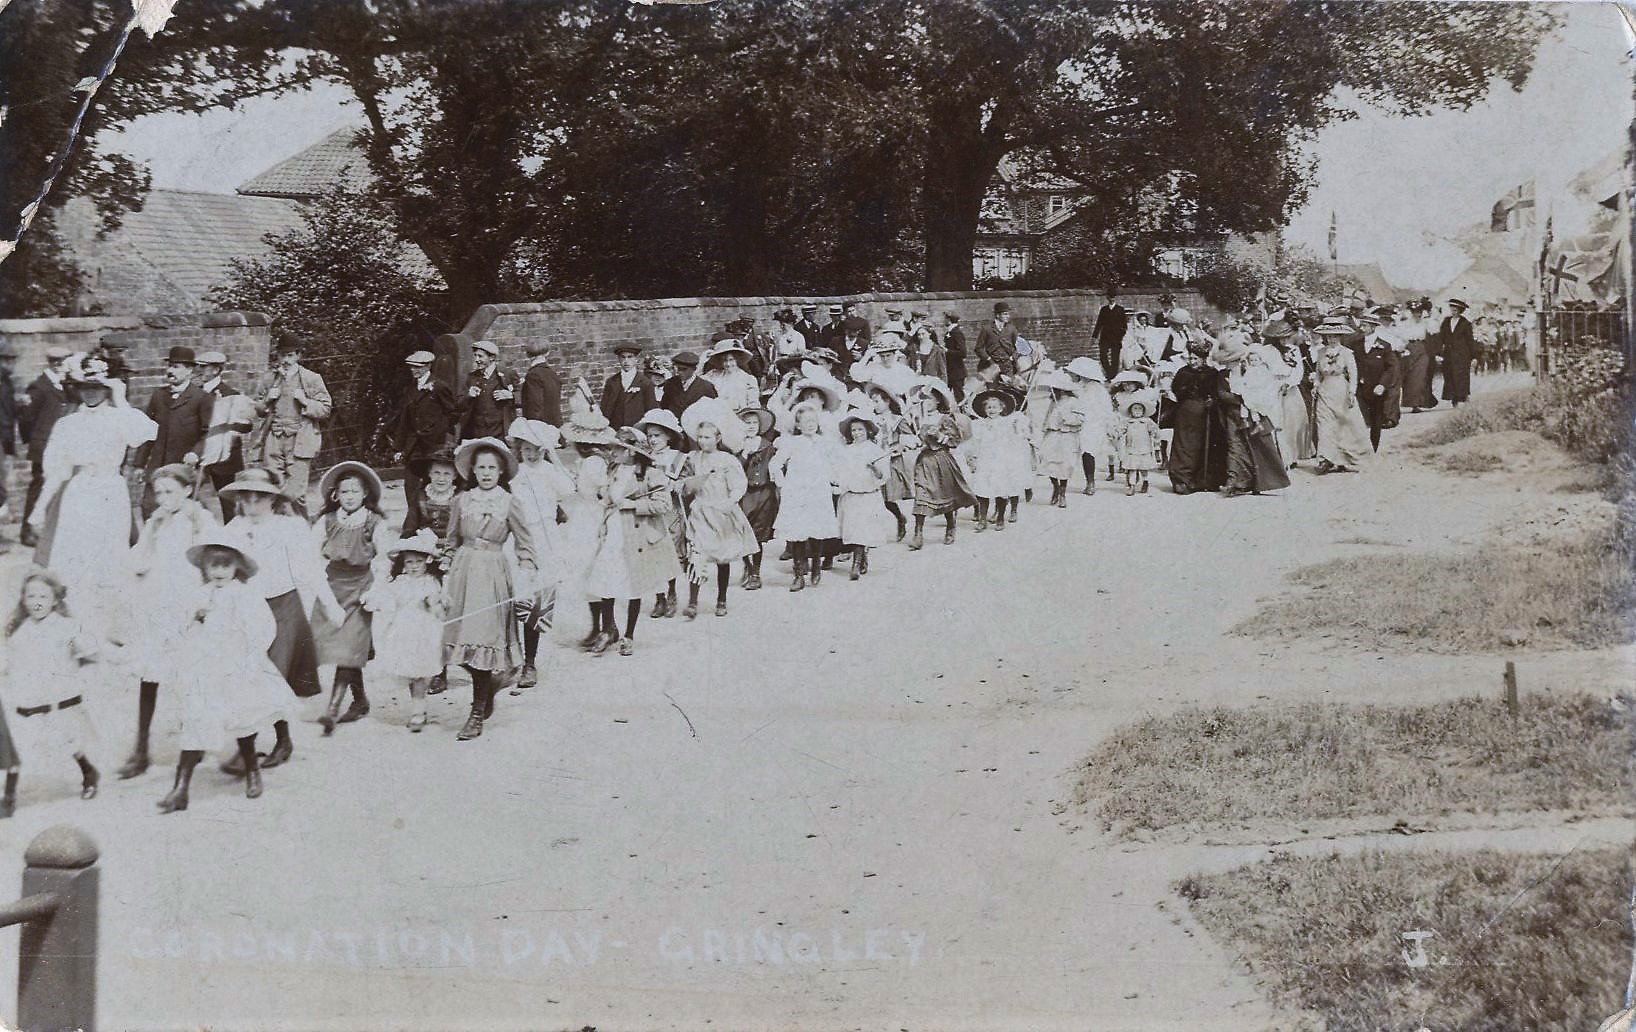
481,633
164,579
1295,439
940,484
1342,439
999,456
1197,445
45,668
864,518
760,501
408,626
1059,438
290,576
541,488
226,684
737,388
717,529
635,555
804,469
1418,364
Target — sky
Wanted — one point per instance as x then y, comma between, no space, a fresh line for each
1400,188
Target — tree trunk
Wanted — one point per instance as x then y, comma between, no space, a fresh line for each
955,178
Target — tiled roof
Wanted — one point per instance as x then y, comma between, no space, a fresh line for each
334,160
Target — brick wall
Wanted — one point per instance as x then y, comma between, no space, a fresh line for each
242,336
582,334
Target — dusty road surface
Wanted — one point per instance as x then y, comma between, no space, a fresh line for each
840,809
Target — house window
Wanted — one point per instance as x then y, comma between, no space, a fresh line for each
1055,203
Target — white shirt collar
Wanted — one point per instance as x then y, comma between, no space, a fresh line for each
211,384
627,377
538,360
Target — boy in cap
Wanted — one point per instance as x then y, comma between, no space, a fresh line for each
422,430
628,394
182,411
221,452
294,406
541,387
997,343
686,387
490,398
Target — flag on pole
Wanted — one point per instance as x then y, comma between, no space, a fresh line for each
1332,252
1513,211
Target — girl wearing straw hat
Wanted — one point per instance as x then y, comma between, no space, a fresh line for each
864,518
733,385
940,484
665,439
408,626
998,453
587,436
541,487
1059,436
760,501
718,532
481,632
897,438
803,467
353,537
635,557
1096,434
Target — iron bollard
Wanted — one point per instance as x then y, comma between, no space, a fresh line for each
57,955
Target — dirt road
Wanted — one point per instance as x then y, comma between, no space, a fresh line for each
838,809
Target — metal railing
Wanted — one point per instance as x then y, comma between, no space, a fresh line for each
57,947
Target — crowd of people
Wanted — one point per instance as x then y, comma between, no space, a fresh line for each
825,441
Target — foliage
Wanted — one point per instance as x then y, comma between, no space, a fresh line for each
1233,283
39,279
1536,941
1321,761
339,281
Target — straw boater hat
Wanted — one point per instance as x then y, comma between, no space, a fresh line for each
979,399
1085,369
726,346
225,538
887,340
424,542
465,456
715,412
537,432
631,438
253,480
855,416
832,391
351,468
764,418
590,427
665,420
1334,327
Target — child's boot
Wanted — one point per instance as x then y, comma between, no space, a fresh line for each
252,774
89,778
948,529
177,799
360,702
283,749
982,514
332,712
800,581
8,802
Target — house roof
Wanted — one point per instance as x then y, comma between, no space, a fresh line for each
1371,279
333,161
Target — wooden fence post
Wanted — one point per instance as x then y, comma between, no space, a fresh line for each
57,955
1511,687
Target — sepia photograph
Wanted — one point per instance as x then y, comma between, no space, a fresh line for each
817,516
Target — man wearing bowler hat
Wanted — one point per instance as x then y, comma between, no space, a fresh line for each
422,430
182,412
491,395
293,406
997,345
686,387
628,394
47,403
542,388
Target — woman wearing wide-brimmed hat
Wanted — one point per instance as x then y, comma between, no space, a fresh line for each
290,576
635,557
1198,448
1343,443
723,368
354,537
480,589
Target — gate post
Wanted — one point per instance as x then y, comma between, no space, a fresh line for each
1542,359
57,955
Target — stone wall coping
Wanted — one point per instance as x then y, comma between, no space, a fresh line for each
97,323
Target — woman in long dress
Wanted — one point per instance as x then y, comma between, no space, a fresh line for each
1197,435
1343,443
1419,345
83,521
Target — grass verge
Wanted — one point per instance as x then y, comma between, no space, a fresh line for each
1579,595
1318,761
1522,941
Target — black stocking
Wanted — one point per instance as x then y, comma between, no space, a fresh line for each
982,509
999,510
633,609
722,570
147,701
1087,462
531,642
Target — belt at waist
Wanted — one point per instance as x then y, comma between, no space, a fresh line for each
483,544
34,711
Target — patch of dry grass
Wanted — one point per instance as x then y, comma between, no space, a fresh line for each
1319,761
1471,463
1577,595
1523,941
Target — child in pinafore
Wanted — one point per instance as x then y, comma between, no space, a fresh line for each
998,454
718,532
865,521
1059,438
48,649
635,556
940,483
897,438
354,537
227,685
409,620
664,434
804,470
542,487
481,634
760,501
1139,446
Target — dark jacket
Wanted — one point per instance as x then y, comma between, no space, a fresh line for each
997,347
486,415
626,408
424,423
677,397
542,394
183,420
8,415
1458,349
954,342
47,403
857,324
1110,325
810,331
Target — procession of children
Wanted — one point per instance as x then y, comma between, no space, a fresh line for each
252,622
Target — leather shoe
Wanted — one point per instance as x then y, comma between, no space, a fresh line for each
252,785
281,753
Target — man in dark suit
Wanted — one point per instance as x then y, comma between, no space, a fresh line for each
807,326
1458,349
222,454
1109,332
854,324
542,388
47,403
954,343
686,387
628,394
832,333
182,411
490,398
997,344
423,426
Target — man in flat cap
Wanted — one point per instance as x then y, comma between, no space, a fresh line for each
231,417
182,411
423,426
997,345
490,398
47,403
542,387
686,387
294,406
628,394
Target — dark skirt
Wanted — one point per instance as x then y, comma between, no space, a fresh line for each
1417,379
1456,378
349,643
760,505
293,651
940,484
1195,437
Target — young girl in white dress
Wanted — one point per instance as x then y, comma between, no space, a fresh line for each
998,454
714,482
1139,446
865,520
635,557
804,468
1096,433
541,487
408,625
586,437
664,434
48,650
